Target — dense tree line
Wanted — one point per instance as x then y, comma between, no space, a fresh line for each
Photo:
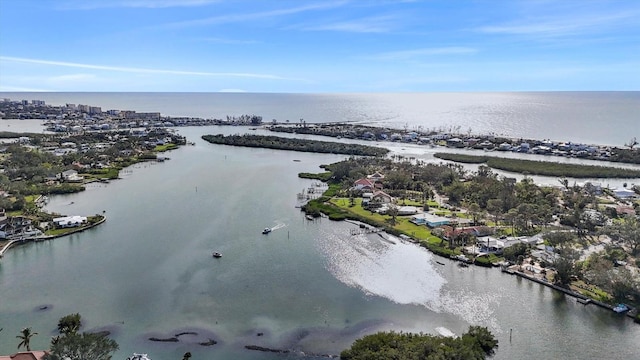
70,343
477,343
275,142
546,168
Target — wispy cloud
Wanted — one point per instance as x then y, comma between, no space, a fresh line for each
243,17
149,4
424,52
559,26
141,70
375,24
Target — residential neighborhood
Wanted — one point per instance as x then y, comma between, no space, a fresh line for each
564,236
35,166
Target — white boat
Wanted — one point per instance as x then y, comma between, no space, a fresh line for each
621,308
266,230
216,254
137,356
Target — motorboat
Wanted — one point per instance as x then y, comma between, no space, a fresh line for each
266,230
621,308
216,254
137,356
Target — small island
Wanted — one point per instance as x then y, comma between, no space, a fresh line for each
291,144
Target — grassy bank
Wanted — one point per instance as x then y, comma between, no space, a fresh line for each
341,208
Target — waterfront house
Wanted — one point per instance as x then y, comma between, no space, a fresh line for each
455,142
430,220
407,210
16,227
486,144
71,176
490,245
70,221
376,177
363,184
625,194
382,197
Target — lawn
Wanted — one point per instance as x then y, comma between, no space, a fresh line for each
402,223
165,147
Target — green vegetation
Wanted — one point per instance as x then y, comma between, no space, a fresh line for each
31,171
72,345
69,324
546,168
165,147
91,220
514,208
477,343
324,176
25,338
280,143
109,173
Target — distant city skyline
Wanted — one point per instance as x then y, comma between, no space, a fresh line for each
319,46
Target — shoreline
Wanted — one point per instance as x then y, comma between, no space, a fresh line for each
584,300
16,242
483,142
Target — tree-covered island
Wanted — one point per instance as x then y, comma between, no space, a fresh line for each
280,143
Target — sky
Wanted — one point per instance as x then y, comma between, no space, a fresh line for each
323,46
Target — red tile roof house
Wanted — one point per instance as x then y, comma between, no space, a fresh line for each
25,355
363,184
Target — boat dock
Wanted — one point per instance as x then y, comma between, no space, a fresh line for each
579,297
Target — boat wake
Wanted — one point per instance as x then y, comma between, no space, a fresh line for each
279,225
405,274
400,272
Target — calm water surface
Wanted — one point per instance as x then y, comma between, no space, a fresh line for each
309,285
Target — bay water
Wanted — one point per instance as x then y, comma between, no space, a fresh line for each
309,285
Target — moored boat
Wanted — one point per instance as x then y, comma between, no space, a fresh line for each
137,356
216,254
621,308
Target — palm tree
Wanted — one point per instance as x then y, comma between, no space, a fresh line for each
25,336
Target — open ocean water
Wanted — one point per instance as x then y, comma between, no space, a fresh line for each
606,118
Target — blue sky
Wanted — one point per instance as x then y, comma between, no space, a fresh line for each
319,46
